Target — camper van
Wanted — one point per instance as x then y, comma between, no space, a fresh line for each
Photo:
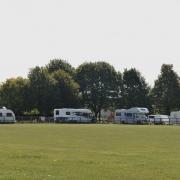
73,116
120,116
175,117
135,115
7,115
158,119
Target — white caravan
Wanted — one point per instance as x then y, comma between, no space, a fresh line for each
135,115
7,115
158,119
175,117
120,115
73,115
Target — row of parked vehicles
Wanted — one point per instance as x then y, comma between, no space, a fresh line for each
136,115
131,116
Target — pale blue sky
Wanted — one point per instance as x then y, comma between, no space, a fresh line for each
126,33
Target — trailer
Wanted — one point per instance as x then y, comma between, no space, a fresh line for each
7,116
135,115
67,115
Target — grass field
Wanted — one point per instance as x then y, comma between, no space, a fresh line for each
89,152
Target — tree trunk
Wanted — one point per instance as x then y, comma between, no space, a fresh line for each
99,115
96,115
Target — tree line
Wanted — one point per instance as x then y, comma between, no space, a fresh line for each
94,85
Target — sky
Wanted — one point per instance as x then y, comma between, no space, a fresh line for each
142,34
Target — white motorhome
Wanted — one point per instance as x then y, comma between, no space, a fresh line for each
158,119
135,115
7,115
120,115
73,115
175,117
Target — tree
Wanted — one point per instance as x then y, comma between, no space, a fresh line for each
118,99
166,91
13,94
59,64
135,89
65,90
97,85
40,90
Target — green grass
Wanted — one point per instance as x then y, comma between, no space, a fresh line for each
89,152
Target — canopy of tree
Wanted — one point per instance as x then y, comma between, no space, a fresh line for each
98,82
92,85
135,91
166,91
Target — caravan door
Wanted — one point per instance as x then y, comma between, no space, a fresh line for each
1,117
10,117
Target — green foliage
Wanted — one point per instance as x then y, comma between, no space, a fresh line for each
118,96
93,85
40,90
97,84
135,89
59,64
65,90
13,93
33,112
166,91
49,91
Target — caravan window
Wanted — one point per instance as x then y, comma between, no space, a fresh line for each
81,114
152,117
85,114
1,114
129,114
68,113
9,114
77,113
57,112
118,114
91,115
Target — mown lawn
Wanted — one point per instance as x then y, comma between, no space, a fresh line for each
89,152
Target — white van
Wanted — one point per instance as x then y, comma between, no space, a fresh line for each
73,115
7,116
158,119
135,115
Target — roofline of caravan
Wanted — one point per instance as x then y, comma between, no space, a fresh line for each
71,109
134,108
